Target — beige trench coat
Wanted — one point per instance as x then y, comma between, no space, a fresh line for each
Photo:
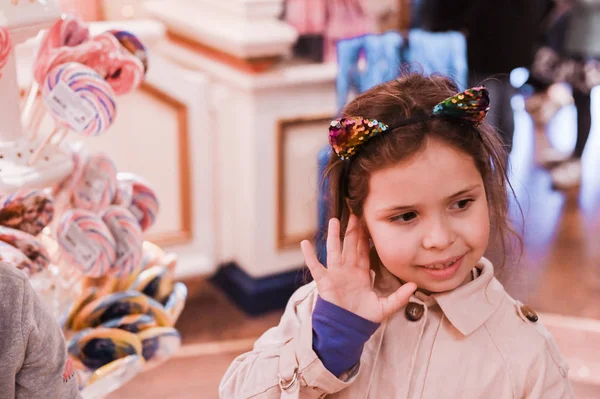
473,342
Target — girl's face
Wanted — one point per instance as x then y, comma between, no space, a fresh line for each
428,217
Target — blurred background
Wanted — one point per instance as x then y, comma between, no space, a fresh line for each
233,116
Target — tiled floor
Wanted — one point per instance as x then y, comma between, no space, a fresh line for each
558,274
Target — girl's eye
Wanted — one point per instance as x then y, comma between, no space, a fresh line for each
462,204
405,217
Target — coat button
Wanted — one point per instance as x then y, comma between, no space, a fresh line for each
414,311
529,313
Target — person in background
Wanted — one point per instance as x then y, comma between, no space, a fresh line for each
500,38
33,354
576,62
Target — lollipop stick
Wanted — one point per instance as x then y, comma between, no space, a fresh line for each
37,120
30,102
41,147
63,134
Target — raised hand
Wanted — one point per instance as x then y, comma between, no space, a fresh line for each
346,282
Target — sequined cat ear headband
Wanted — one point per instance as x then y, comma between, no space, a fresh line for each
347,135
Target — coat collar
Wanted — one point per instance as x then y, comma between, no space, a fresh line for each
467,307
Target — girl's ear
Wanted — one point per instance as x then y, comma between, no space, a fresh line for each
348,205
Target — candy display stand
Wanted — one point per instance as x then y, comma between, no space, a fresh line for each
74,295
24,20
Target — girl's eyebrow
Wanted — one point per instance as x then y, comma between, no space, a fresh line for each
399,208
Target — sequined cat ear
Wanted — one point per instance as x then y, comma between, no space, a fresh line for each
347,134
471,106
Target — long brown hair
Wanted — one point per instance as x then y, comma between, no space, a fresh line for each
414,94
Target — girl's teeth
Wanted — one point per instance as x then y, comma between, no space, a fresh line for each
440,266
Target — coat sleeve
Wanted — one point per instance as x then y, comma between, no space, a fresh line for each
549,375
284,356
46,372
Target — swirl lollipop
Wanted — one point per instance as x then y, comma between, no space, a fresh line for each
97,186
144,203
132,44
126,74
111,48
159,344
69,31
128,235
86,242
123,71
28,244
5,47
97,347
78,99
26,210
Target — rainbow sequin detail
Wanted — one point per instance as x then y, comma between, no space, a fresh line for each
347,134
471,106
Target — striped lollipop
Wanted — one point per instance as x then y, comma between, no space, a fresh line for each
97,186
86,242
69,31
129,238
122,70
111,49
5,47
144,203
79,98
26,210
28,244
126,74
132,44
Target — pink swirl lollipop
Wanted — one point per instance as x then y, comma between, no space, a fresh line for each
28,244
123,71
110,48
144,203
26,210
80,99
126,74
5,47
15,257
69,31
129,237
96,188
86,242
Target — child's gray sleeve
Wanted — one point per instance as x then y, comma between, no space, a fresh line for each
45,372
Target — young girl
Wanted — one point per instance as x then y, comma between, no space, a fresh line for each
407,306
33,354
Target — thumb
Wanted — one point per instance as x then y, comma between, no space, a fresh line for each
396,300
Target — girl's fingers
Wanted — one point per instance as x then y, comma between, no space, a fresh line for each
398,299
317,270
334,251
350,242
